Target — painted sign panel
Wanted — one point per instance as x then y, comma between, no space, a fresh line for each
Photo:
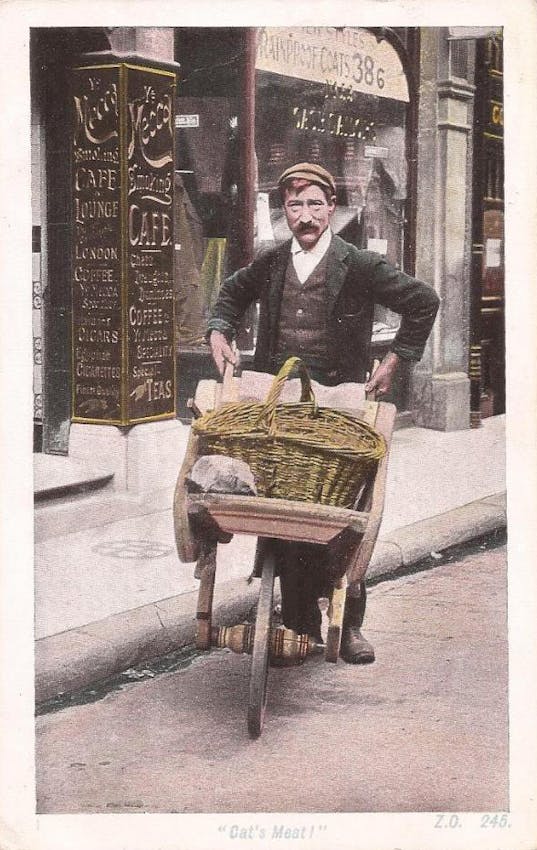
151,360
342,56
122,299
96,267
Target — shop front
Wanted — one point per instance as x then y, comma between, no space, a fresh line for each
250,104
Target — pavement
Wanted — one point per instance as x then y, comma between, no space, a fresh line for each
110,591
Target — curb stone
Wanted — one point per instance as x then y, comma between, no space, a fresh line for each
75,659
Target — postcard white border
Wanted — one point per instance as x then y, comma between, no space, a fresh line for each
19,827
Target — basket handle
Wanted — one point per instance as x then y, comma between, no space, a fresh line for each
268,416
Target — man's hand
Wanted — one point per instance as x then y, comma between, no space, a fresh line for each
381,381
221,351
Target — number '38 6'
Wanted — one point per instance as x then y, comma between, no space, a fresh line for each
365,71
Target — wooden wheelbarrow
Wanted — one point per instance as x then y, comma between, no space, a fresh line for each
204,520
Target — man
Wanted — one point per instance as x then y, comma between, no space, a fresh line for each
317,294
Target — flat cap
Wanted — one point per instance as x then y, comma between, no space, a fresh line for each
309,171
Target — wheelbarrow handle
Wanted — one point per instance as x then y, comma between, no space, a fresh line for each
227,380
372,396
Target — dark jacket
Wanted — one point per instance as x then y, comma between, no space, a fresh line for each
356,281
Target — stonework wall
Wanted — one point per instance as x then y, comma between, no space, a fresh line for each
146,42
440,385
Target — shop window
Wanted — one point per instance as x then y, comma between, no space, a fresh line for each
339,97
206,177
458,59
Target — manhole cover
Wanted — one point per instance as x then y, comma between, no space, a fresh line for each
133,549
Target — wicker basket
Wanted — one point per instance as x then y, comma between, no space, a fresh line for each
296,451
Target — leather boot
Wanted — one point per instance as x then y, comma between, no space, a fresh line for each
355,649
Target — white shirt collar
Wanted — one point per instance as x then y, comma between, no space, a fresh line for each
319,249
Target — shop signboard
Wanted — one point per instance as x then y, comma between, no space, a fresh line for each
347,57
123,358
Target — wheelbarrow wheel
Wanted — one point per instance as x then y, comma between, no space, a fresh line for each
261,647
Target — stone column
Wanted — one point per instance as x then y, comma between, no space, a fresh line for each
440,384
146,43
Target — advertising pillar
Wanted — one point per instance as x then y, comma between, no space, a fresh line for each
123,363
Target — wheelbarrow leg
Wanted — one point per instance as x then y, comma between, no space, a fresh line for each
206,569
335,619
261,647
